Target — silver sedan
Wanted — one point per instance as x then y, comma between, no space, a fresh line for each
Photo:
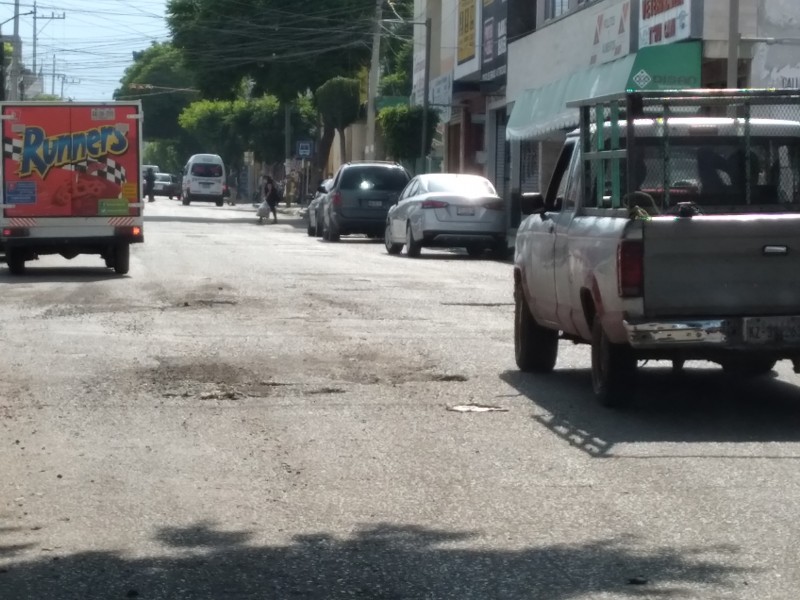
447,210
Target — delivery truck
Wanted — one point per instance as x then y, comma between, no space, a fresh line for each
70,181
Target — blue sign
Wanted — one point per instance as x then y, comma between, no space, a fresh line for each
305,148
20,192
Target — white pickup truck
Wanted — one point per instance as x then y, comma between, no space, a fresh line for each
673,235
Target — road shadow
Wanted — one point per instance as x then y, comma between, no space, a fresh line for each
34,274
378,562
189,219
700,405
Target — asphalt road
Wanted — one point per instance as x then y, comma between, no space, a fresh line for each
253,413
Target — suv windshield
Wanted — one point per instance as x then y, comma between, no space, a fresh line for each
206,170
375,178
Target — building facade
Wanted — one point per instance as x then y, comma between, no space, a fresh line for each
503,71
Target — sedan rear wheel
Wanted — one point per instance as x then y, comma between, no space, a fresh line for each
391,247
413,247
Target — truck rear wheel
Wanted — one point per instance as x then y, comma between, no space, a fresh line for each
613,369
535,347
122,259
16,262
749,367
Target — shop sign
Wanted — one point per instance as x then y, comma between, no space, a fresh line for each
664,21
494,40
612,34
672,67
466,30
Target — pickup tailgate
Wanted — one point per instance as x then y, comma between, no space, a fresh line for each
713,266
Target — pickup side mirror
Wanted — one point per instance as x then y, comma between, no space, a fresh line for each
531,203
321,189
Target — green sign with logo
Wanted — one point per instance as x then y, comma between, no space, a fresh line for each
668,67
113,207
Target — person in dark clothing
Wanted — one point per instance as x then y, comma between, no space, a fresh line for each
149,185
272,197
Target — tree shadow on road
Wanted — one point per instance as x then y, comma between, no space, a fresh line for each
35,275
376,562
699,405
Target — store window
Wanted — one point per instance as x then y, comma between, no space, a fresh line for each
555,8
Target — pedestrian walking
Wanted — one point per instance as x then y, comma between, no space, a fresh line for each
150,184
272,196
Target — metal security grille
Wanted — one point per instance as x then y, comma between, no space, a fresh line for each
529,167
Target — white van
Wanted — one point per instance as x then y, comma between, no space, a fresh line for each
204,179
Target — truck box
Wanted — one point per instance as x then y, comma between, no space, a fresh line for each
71,181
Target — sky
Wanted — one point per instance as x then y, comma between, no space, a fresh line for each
92,45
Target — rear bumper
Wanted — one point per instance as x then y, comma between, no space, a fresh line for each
462,238
718,334
195,197
347,225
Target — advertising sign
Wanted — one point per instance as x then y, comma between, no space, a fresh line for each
494,41
612,34
664,21
466,30
671,67
70,161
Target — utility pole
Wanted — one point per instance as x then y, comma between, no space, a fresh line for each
53,87
13,88
733,44
426,91
374,73
36,17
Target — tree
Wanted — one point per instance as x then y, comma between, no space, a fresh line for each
402,130
398,52
285,46
339,103
159,77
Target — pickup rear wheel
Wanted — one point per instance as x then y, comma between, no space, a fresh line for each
535,347
613,369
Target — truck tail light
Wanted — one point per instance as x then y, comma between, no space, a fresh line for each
336,200
433,204
131,232
630,268
16,232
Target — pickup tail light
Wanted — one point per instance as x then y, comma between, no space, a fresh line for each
336,200
630,268
434,204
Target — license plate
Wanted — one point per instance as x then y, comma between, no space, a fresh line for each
375,204
767,330
205,183
467,211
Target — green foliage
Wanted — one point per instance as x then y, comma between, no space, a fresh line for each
285,46
161,66
339,102
402,130
396,84
166,154
229,128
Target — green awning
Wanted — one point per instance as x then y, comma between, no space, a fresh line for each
541,111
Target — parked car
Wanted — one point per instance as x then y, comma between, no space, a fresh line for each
166,184
315,209
360,198
447,210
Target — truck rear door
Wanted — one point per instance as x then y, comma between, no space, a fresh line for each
71,161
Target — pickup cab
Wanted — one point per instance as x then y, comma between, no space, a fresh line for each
670,230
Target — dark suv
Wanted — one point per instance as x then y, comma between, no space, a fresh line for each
360,198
